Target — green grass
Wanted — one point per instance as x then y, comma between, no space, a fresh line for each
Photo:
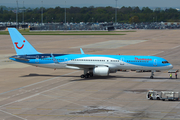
73,34
4,33
28,32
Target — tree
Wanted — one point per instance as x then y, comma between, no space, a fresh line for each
1,10
147,10
134,19
89,14
136,10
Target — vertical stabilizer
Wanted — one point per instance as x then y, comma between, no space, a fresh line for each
21,45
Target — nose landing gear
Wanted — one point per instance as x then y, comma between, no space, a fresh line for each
152,74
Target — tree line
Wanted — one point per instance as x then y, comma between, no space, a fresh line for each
91,14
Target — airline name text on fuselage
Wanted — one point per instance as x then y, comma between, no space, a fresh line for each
147,59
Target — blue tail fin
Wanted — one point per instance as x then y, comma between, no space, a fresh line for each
21,45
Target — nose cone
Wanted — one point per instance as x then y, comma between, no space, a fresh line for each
170,66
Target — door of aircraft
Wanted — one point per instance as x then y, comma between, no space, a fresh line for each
122,61
37,59
155,62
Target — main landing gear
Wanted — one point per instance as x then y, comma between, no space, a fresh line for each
86,74
152,74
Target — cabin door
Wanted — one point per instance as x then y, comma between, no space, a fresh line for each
155,62
37,59
122,61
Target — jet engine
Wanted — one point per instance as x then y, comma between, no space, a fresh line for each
101,71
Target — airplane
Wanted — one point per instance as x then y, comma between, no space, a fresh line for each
92,64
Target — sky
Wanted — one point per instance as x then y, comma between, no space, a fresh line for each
96,3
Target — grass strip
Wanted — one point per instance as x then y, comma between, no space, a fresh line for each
72,34
27,32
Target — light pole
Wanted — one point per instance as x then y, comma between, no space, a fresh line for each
33,21
133,20
156,18
65,12
23,15
10,21
153,19
42,14
17,15
116,13
65,15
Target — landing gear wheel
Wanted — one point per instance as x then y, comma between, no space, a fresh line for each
152,74
91,75
86,76
82,76
87,73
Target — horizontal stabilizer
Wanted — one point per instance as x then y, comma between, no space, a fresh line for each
22,59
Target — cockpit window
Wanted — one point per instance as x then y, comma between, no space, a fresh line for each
164,62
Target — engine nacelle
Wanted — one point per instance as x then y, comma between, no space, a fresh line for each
101,71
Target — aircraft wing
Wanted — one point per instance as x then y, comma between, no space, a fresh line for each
83,66
54,59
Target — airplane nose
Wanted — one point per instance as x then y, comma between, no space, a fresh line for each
170,66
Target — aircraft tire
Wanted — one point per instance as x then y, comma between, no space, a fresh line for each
91,75
82,76
86,76
151,77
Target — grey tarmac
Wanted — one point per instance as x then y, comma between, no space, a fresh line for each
33,93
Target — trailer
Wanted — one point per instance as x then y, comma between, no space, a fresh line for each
169,95
173,71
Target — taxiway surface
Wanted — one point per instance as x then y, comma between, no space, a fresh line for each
28,92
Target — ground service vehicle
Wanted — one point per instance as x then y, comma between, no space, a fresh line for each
163,95
152,95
